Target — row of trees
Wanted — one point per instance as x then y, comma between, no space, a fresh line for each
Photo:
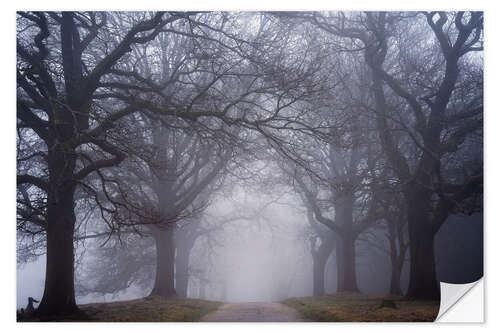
129,122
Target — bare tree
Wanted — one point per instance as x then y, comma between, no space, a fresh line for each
322,245
432,110
57,79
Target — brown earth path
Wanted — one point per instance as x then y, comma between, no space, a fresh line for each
253,312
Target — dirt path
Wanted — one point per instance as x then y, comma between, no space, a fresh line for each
253,312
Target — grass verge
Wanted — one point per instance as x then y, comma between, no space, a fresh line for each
149,309
354,307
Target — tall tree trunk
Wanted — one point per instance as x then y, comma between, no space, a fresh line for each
339,262
346,254
346,264
59,293
423,283
165,258
185,238
395,287
397,254
182,270
320,258
201,292
319,264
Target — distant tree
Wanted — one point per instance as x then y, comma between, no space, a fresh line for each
339,183
394,227
176,176
322,244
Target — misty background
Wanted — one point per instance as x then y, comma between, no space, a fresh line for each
268,259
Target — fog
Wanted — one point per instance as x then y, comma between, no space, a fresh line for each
267,258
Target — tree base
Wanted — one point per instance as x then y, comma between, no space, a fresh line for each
69,315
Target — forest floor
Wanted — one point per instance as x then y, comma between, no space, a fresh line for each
340,307
353,307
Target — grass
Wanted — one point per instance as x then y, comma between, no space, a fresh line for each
149,309
353,307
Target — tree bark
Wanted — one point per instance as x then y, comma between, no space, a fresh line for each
320,258
395,287
398,253
182,270
423,283
318,276
185,238
59,293
165,258
346,264
339,262
346,254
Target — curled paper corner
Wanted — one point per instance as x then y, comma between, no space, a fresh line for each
461,302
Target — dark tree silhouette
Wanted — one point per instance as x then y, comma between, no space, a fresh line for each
55,99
